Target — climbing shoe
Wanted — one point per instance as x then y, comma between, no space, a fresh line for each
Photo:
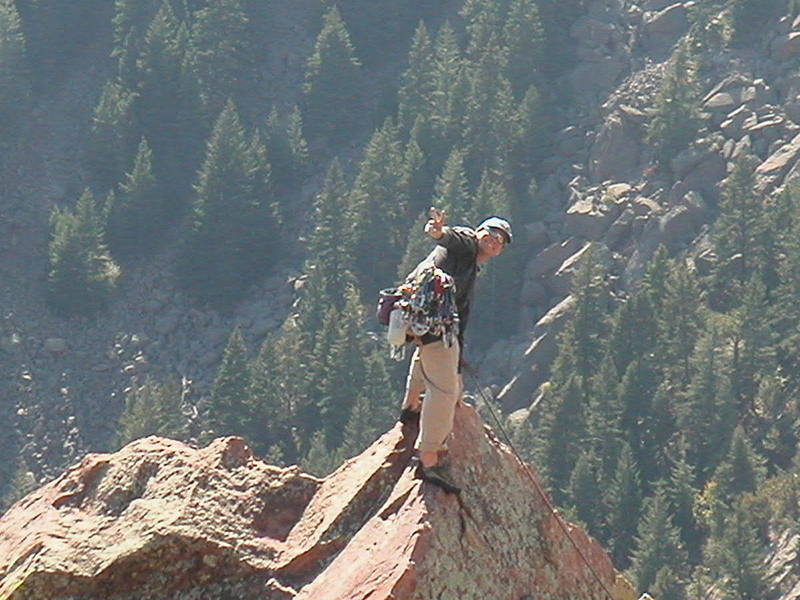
439,476
409,417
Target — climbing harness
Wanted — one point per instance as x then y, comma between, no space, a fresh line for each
424,305
536,484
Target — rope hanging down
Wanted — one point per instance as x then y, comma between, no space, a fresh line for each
536,485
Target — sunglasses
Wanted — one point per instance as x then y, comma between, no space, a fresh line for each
499,237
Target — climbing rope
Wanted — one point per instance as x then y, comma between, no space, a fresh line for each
471,372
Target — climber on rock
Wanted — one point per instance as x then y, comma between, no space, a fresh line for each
435,368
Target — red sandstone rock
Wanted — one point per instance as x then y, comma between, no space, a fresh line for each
160,520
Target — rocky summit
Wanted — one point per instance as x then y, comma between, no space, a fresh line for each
160,519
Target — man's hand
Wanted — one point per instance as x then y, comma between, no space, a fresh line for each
434,226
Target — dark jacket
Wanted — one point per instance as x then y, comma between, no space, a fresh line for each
456,253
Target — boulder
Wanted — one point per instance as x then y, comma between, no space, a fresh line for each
588,80
620,229
592,32
686,160
536,235
721,101
569,141
704,262
163,520
560,283
770,173
705,177
533,293
551,258
643,206
616,151
534,367
589,220
660,30
734,123
786,47
676,227
55,345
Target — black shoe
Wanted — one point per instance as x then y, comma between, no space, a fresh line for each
439,476
409,417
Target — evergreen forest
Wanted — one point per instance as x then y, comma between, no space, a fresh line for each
219,149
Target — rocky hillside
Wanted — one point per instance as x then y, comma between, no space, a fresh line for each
159,519
602,188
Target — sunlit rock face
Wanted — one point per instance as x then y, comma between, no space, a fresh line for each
162,520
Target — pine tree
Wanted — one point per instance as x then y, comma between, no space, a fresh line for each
228,411
328,265
624,501
603,419
138,212
318,460
742,470
668,586
679,324
705,416
167,104
742,558
778,411
418,247
676,120
489,108
738,235
369,417
751,342
321,365
22,483
416,83
14,83
332,82
234,216
451,192
379,207
633,331
636,391
583,496
443,122
151,409
681,494
658,543
523,35
9,443
222,48
530,142
130,21
268,401
581,345
561,431
786,311
347,369
82,275
654,278
287,391
286,148
109,149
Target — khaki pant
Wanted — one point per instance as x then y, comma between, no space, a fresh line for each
434,370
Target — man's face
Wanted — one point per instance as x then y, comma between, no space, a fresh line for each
491,242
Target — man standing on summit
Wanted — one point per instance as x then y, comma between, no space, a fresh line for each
435,366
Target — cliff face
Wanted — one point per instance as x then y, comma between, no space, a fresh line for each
159,520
